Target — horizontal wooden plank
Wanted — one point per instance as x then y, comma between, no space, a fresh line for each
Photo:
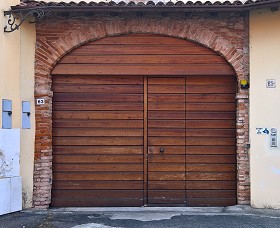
191,141
216,107
97,141
89,115
167,150
192,132
142,69
97,106
180,106
177,115
210,202
210,141
205,159
93,167
198,98
151,49
144,59
167,132
97,194
170,98
56,202
97,132
193,185
98,176
206,185
199,176
211,79
166,194
159,123
166,176
218,124
98,80
89,159
97,123
162,158
224,133
103,89
211,97
212,88
91,150
166,167
173,115
173,89
176,141
211,167
211,150
211,115
92,97
165,185
101,185
167,81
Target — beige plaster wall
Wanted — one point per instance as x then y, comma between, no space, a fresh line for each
17,84
9,66
27,56
264,107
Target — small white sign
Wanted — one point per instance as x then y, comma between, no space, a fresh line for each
270,83
40,101
262,131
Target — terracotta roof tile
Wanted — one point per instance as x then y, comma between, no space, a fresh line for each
28,3
195,4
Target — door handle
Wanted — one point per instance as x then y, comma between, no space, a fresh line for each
161,149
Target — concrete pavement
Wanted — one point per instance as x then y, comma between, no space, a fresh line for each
146,217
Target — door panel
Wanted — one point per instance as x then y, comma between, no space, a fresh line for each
210,141
166,141
98,141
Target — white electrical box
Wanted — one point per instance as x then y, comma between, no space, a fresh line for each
26,112
273,137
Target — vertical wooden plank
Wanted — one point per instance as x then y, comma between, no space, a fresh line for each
185,140
145,173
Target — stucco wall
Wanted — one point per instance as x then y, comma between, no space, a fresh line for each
17,84
27,56
264,107
9,66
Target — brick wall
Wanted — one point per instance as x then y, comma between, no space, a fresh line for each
227,34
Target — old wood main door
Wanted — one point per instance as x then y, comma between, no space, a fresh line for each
191,141
143,119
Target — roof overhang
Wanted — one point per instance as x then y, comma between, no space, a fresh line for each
38,10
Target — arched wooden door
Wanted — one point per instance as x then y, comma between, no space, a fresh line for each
143,119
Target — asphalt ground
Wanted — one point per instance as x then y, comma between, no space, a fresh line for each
231,217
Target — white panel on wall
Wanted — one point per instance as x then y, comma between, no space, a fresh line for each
5,195
16,194
10,180
9,152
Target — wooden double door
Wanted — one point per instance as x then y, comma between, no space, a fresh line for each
145,140
143,119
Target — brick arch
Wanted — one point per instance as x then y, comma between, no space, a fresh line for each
50,51
195,33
